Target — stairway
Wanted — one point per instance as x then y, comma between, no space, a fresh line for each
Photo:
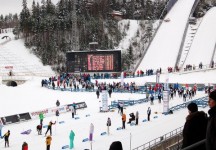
191,33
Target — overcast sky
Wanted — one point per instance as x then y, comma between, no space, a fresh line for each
15,6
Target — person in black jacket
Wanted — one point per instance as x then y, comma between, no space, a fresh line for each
6,138
57,103
211,128
132,117
110,92
49,128
195,127
97,93
117,145
39,129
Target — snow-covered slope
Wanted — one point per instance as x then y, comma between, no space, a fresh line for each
14,53
130,33
164,48
204,42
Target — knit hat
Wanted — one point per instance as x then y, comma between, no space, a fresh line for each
192,107
117,145
212,95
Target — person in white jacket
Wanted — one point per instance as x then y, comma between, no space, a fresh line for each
108,125
91,132
72,111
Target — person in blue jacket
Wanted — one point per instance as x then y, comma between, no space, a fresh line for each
1,126
72,134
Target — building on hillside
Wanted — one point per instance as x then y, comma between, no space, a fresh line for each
118,15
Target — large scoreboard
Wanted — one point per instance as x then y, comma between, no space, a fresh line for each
94,61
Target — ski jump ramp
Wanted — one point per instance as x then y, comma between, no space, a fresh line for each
204,42
164,48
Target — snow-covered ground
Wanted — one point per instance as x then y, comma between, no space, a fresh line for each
204,76
32,97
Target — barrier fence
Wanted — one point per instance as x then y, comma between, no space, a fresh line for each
201,102
152,143
18,118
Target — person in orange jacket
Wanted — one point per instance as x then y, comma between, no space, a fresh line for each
48,142
25,146
123,120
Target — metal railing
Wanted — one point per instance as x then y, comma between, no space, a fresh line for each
213,55
195,145
185,33
160,139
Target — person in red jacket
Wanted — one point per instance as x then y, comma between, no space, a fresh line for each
25,146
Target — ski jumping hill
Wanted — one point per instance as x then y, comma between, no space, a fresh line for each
204,42
165,46
16,57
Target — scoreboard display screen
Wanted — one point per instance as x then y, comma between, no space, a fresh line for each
94,61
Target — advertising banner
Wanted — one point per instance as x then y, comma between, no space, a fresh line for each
48,111
165,101
79,105
10,119
24,117
1,123
61,109
105,101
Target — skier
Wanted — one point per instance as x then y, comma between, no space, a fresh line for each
1,126
6,138
184,97
149,113
110,92
57,113
91,132
152,99
159,97
71,137
49,128
121,107
74,105
108,125
57,103
123,121
132,117
39,129
41,116
97,93
25,146
72,111
48,142
137,117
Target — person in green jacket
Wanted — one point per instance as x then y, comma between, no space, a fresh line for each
72,134
41,116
